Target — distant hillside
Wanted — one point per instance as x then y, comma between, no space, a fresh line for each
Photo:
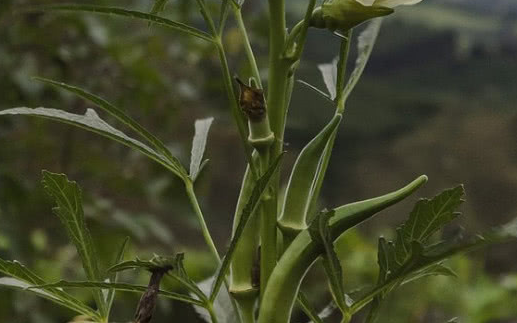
486,6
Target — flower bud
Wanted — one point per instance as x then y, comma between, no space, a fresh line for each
342,15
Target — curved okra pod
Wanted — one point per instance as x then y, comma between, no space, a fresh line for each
284,283
299,189
241,267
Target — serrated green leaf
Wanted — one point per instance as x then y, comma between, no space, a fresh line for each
365,43
202,127
299,189
249,209
114,276
20,277
92,122
119,115
69,209
426,218
425,259
178,26
434,270
320,233
119,287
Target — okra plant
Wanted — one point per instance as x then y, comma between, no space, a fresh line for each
277,234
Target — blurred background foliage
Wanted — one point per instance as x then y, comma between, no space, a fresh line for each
438,97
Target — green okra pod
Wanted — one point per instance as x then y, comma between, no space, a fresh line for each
300,187
284,283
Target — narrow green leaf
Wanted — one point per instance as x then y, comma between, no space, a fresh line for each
249,209
173,264
320,233
315,89
114,276
20,277
329,73
119,287
178,26
202,127
223,14
69,209
92,122
307,308
299,189
119,115
366,41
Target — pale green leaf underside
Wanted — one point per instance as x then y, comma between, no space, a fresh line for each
202,127
150,18
366,41
119,115
69,209
329,74
92,122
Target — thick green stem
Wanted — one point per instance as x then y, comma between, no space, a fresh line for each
285,281
277,84
206,234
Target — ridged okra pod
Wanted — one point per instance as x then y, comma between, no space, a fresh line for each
300,188
284,283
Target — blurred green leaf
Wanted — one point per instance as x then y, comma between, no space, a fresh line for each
22,278
126,13
114,276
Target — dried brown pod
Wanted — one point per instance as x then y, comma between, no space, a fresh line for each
147,304
251,101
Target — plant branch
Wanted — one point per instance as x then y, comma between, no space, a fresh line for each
247,45
206,233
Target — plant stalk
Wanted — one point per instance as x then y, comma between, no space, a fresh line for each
204,229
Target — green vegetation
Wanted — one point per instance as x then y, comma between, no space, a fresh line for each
277,235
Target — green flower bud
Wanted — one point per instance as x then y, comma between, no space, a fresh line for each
342,15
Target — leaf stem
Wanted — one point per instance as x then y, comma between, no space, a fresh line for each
189,187
247,45
210,308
